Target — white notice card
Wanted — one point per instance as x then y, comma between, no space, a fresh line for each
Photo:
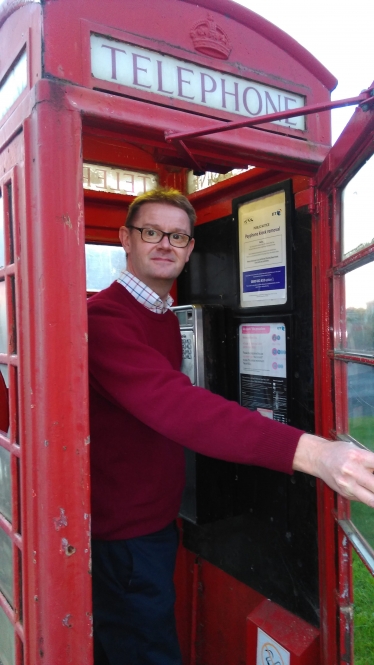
262,249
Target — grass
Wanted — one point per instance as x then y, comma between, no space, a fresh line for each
361,428
363,591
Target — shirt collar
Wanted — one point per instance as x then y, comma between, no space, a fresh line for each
143,294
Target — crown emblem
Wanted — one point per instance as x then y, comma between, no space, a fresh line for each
208,38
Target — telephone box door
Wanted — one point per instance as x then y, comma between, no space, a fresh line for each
343,256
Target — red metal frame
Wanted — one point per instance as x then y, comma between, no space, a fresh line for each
11,441
365,98
351,150
41,139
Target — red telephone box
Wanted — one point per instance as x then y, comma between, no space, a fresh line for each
95,103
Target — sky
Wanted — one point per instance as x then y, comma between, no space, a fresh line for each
339,33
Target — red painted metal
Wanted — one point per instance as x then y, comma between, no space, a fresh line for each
352,149
167,29
345,593
366,97
350,357
261,26
298,637
49,439
324,423
8,7
342,161
137,121
354,261
53,382
216,201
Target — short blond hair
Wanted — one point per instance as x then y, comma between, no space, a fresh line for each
166,195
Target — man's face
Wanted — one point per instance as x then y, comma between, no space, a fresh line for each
157,265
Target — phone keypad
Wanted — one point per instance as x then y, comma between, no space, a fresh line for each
188,356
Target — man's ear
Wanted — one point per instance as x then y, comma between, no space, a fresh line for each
124,236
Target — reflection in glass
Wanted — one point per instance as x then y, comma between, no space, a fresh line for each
105,178
2,259
3,320
357,210
5,486
12,86
361,427
359,304
104,264
7,655
6,566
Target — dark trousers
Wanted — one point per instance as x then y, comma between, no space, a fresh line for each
133,600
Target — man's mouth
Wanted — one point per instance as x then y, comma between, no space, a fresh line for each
162,258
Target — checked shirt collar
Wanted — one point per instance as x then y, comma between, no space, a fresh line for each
143,294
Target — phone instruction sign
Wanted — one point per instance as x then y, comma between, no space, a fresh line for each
262,250
270,652
263,369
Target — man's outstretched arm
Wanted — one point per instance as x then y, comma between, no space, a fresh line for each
343,466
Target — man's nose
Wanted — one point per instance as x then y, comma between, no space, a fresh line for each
164,243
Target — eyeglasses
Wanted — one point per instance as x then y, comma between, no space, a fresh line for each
155,236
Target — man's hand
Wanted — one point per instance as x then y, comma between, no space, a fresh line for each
346,468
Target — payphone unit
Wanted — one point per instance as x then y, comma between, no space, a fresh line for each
206,496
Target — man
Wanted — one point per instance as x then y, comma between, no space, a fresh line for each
143,411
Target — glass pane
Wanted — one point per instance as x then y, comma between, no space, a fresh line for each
361,403
363,607
359,304
3,321
104,264
5,486
357,210
12,86
7,652
361,427
1,231
6,566
13,330
10,208
104,178
4,369
197,182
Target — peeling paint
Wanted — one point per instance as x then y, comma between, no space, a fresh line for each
46,443
87,441
66,548
67,621
66,220
60,522
90,622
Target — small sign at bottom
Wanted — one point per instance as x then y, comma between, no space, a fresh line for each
269,652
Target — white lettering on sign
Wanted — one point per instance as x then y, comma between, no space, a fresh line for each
105,178
270,652
145,70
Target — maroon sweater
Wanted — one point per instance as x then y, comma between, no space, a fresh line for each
143,410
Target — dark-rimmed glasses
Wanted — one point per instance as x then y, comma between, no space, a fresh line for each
155,236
